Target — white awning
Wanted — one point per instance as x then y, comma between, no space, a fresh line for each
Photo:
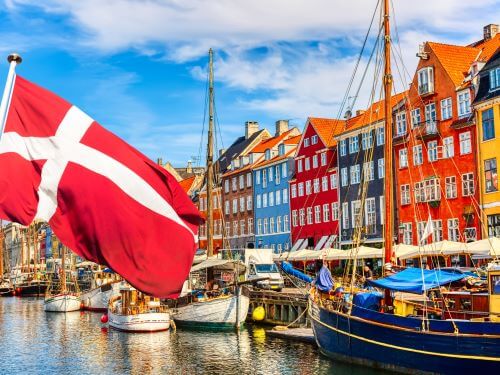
303,245
297,244
328,244
321,243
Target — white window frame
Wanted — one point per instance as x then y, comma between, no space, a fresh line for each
464,103
446,108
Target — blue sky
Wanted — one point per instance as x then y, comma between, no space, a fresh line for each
139,67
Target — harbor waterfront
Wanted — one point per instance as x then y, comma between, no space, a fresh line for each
77,343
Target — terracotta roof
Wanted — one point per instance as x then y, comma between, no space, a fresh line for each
271,142
242,169
275,159
187,183
327,129
373,114
293,140
487,47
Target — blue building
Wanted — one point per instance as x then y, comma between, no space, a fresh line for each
271,195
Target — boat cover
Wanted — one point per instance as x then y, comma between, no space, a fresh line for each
370,300
410,280
288,268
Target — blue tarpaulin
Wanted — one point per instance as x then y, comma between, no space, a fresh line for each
370,301
324,281
288,268
410,280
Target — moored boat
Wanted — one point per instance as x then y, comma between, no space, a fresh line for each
63,302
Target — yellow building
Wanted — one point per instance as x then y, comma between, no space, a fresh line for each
487,109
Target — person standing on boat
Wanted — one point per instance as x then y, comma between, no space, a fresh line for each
323,281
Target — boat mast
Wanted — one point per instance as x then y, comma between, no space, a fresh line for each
63,271
21,233
2,248
388,152
210,156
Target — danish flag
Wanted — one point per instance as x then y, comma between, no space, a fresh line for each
103,199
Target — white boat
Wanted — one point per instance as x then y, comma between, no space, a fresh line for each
62,303
132,311
97,299
224,311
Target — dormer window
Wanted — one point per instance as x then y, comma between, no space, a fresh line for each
494,79
281,149
306,142
268,154
426,81
314,139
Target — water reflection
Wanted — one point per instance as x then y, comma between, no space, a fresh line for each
35,342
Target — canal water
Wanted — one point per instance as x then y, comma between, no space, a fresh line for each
35,342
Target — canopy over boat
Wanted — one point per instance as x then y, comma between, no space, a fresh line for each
220,264
416,280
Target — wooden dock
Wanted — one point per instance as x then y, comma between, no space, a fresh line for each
296,334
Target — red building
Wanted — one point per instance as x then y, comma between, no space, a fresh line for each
434,145
314,206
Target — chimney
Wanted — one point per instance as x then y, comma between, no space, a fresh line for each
251,127
281,127
160,161
360,112
489,31
189,168
221,152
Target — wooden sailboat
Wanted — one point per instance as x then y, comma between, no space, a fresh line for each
133,311
5,284
103,285
215,309
62,296
345,329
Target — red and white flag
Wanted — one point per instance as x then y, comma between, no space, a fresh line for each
103,199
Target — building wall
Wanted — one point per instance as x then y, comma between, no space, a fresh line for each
462,207
315,230
218,231
276,237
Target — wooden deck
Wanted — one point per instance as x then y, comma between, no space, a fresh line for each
296,334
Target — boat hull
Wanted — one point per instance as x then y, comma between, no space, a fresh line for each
352,339
146,322
62,303
33,289
97,299
218,313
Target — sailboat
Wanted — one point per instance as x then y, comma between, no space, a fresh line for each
227,306
62,296
103,284
5,284
361,327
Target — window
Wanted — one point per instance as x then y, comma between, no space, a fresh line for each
314,139
470,234
419,192
432,190
326,213
294,191
345,215
335,211
451,187
233,183
306,142
343,148
299,165
353,144
249,179
488,124
271,174
264,228
278,224
490,175
294,218
271,198
343,174
494,225
370,215
380,136
315,161
226,186
242,204
286,228
407,233
228,228
465,143
307,164
317,214
285,195
401,123
403,158
278,197
242,227
284,170
264,200
277,175
250,226
355,174
226,207
301,189
316,185
368,171
425,81
448,147
249,203
366,140
430,118
264,178
235,206
302,216
333,181
494,79
308,187
405,194
356,214
235,228
453,234
468,184
267,154
381,168
463,103
437,234
324,183
271,225
446,109
417,155
416,118
323,158
309,215
420,232
281,149
432,150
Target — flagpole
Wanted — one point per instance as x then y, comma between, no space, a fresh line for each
13,60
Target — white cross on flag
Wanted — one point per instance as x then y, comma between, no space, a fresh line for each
103,199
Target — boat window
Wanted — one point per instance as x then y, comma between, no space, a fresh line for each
267,268
466,304
495,284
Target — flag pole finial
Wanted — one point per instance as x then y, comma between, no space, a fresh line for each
15,57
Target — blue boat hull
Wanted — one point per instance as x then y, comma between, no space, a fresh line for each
379,345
